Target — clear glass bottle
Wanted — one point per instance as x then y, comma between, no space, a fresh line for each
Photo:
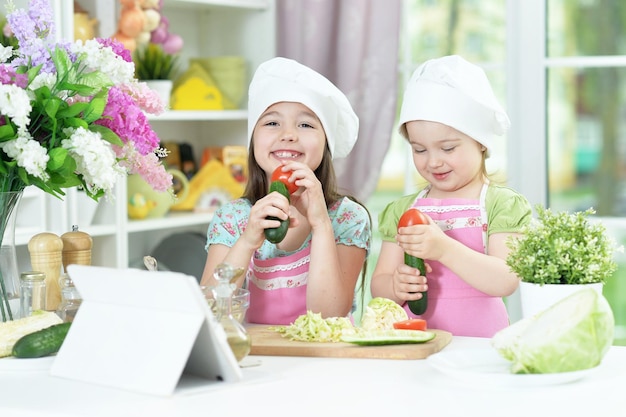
70,299
236,335
32,292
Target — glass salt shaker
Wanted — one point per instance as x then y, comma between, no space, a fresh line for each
70,299
236,335
33,292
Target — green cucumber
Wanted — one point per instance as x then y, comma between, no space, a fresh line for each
277,234
417,307
43,342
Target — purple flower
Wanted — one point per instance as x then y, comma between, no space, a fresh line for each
35,32
117,47
9,76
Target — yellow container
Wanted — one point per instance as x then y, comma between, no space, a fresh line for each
229,74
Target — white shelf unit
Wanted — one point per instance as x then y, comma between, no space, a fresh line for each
209,28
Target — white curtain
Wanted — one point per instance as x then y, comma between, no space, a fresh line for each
354,43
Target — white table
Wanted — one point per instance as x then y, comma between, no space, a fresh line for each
296,386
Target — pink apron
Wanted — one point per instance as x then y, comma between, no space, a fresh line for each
454,305
278,288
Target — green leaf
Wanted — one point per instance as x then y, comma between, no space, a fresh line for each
51,106
95,109
75,122
61,61
33,72
73,110
57,159
7,132
107,134
80,89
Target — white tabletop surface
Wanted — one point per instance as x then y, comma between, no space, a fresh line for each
302,386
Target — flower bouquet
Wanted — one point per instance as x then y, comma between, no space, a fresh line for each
72,115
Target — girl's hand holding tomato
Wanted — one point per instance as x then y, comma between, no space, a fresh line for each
422,242
309,198
283,176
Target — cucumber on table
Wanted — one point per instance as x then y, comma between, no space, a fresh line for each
43,342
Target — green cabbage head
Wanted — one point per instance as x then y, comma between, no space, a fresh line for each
572,335
380,314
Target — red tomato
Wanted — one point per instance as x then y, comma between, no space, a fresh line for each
412,217
279,175
411,324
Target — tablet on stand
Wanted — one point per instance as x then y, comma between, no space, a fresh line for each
142,331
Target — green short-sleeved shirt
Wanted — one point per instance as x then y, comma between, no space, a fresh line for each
507,212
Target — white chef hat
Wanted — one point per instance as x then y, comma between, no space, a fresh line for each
282,79
454,92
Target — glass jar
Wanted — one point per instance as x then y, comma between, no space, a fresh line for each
236,335
33,292
70,299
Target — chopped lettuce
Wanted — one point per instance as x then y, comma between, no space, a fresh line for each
572,335
380,314
311,327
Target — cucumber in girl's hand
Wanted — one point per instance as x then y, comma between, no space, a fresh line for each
281,184
277,234
411,217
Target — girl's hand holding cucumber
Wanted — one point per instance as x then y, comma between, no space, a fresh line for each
280,183
410,218
306,198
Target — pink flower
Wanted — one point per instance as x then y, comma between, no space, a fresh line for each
124,117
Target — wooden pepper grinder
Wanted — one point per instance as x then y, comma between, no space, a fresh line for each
76,248
46,256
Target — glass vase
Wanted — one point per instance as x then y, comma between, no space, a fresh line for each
9,276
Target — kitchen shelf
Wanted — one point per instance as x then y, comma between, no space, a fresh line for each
200,115
241,4
209,28
170,221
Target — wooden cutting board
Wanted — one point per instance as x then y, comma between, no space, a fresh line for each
271,343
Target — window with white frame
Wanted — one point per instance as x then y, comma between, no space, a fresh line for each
559,66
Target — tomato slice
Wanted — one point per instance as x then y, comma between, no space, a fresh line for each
412,217
279,175
411,324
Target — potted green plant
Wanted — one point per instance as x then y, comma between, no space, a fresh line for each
157,68
557,253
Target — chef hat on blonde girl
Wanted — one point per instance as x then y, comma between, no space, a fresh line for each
454,92
282,79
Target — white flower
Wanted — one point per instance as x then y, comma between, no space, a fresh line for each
43,78
6,52
94,158
15,103
29,154
95,56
